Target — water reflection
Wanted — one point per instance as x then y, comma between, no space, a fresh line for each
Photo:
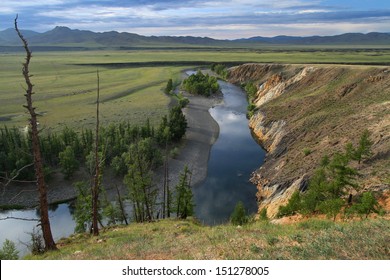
61,221
233,158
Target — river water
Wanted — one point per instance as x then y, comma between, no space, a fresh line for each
233,157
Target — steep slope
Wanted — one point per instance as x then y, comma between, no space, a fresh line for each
174,239
306,112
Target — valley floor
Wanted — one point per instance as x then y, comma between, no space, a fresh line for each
201,133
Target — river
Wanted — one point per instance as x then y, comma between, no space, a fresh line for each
233,157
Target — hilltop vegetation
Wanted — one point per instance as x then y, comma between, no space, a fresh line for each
186,239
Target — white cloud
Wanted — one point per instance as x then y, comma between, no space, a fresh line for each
312,11
15,6
218,19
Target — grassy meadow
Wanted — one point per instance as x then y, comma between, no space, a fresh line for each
131,81
311,239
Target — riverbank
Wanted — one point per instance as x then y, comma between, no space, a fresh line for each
201,134
194,152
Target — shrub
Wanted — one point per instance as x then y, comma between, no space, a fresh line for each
36,247
292,207
169,87
201,84
69,163
8,251
263,214
331,207
307,151
367,205
239,215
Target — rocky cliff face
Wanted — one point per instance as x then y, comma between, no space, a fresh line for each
306,112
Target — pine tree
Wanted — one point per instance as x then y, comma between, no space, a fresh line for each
183,195
364,148
68,162
239,216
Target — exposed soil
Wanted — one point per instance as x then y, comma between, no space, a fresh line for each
307,111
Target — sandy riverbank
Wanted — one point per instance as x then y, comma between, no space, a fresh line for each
201,133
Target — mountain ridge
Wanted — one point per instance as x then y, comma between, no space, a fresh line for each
64,35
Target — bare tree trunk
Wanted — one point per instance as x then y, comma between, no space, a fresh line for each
168,193
95,188
121,205
44,211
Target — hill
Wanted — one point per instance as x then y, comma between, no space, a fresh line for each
373,38
64,36
186,239
61,35
304,112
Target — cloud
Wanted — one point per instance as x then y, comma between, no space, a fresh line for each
12,6
220,19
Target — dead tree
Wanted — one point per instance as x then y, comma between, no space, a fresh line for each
95,187
38,165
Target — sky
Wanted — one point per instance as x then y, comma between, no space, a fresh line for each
220,19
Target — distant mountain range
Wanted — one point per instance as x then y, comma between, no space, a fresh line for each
64,36
373,38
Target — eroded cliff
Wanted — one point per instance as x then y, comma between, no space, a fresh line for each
305,112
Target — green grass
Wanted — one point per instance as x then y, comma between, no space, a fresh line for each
66,93
65,82
174,239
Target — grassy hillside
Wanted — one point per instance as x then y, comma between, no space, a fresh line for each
186,239
305,112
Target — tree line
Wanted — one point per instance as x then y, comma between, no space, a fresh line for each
69,149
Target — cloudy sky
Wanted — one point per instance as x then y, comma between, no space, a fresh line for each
213,18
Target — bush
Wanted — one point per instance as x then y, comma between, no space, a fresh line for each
36,247
292,207
201,84
183,102
331,207
169,87
251,90
251,108
263,214
220,69
239,216
69,163
307,151
8,251
367,205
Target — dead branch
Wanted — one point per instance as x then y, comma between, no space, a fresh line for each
19,193
21,219
9,180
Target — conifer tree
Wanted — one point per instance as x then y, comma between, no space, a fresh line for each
184,197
